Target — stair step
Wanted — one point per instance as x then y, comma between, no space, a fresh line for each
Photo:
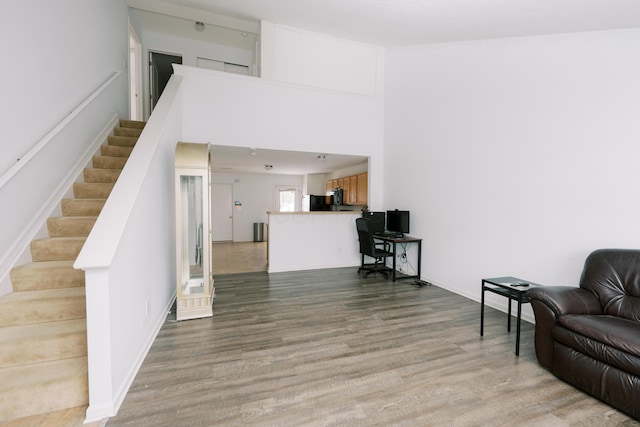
70,226
82,207
42,342
107,162
122,131
56,248
132,124
67,417
101,175
122,141
49,305
46,275
43,387
92,190
115,151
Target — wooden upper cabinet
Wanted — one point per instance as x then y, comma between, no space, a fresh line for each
362,191
355,188
346,187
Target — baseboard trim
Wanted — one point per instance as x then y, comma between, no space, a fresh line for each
496,302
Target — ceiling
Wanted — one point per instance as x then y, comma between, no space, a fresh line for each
408,22
238,159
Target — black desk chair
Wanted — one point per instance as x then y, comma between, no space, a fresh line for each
379,251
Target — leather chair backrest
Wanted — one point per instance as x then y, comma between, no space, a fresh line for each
614,276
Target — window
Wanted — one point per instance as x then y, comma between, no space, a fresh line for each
287,199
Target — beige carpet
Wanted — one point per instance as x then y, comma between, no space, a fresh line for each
242,257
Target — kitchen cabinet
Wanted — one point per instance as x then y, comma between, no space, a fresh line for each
362,192
355,188
346,186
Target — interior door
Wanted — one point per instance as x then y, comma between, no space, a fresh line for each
160,71
222,212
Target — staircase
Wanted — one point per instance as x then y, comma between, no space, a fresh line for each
43,342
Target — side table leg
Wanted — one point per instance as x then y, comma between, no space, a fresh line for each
482,310
518,328
509,317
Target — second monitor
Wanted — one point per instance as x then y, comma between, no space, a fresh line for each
398,221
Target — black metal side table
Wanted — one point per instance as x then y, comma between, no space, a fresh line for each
515,290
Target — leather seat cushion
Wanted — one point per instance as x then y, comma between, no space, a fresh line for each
610,339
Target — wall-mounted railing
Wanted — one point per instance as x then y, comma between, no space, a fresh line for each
32,186
50,136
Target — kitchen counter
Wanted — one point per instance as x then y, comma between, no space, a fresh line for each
312,240
359,213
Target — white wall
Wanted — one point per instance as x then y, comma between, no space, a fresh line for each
256,193
228,109
58,56
515,156
302,57
67,51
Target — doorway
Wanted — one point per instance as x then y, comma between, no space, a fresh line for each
222,212
160,71
135,76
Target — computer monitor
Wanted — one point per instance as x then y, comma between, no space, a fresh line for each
376,221
398,221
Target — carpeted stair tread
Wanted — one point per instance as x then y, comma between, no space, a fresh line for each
122,141
70,226
123,131
56,248
46,275
108,162
49,305
82,207
136,124
34,343
115,151
101,175
92,190
43,387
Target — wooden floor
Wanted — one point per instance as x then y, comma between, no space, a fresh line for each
327,348
241,257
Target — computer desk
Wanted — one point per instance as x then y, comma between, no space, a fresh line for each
402,240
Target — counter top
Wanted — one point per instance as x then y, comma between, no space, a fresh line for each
315,213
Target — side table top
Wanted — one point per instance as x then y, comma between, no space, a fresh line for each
511,283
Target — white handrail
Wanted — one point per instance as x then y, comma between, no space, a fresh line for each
31,153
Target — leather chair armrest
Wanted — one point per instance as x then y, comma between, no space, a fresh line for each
566,299
550,302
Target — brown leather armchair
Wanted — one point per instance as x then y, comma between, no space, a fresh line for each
590,336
